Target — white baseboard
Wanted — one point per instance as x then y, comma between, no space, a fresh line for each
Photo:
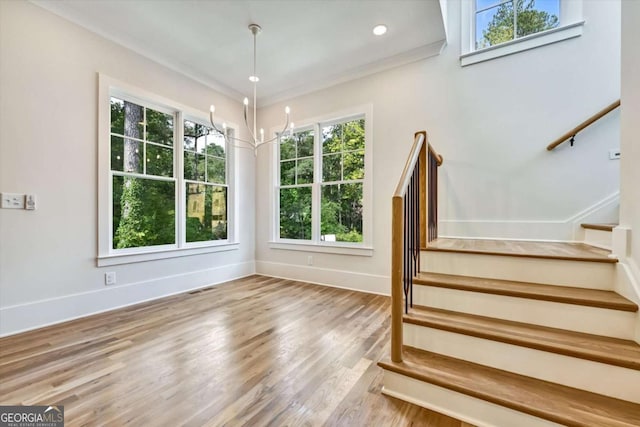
354,281
605,210
24,317
505,229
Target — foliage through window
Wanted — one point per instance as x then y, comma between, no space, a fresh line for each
143,185
324,167
146,182
501,21
205,183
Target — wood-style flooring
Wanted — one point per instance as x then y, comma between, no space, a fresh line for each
256,351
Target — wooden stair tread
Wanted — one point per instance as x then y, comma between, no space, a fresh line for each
602,227
562,294
544,250
613,351
554,402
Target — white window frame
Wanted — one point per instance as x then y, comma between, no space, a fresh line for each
364,248
107,255
570,26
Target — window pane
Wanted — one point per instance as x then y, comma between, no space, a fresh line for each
332,167
117,153
287,148
216,170
143,212
133,120
536,16
295,213
189,142
159,127
341,213
288,172
159,160
132,160
194,166
305,143
215,145
494,26
353,135
332,138
483,4
305,171
354,165
117,116
206,212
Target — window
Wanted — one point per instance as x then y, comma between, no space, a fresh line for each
495,28
342,180
143,183
502,21
323,192
205,183
296,180
164,179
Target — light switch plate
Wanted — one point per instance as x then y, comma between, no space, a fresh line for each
30,202
12,201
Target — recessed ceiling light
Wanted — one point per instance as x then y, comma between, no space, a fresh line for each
254,79
379,30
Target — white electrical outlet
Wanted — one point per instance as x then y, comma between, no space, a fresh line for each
110,278
614,154
12,201
310,260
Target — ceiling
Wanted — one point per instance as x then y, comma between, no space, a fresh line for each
304,45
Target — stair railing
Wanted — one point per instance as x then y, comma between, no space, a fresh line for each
571,135
414,220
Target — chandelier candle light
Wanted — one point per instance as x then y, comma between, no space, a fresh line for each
255,141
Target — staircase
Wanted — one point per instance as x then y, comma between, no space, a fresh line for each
598,234
517,334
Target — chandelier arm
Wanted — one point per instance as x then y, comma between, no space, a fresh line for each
246,123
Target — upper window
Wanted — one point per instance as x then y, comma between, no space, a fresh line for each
494,28
165,180
323,186
503,21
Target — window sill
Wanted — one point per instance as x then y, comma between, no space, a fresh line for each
524,43
340,249
129,258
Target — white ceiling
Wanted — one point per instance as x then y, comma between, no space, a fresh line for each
304,44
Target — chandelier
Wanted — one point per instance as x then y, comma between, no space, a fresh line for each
256,140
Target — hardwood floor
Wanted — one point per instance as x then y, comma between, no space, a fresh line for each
255,351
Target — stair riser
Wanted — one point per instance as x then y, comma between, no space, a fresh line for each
609,380
592,275
474,411
598,238
592,320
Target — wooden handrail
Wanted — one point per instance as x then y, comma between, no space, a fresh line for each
414,155
583,125
438,157
417,159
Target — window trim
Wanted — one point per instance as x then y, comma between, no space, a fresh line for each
108,87
570,26
364,248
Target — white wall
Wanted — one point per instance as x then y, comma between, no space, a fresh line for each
491,121
630,146
48,146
